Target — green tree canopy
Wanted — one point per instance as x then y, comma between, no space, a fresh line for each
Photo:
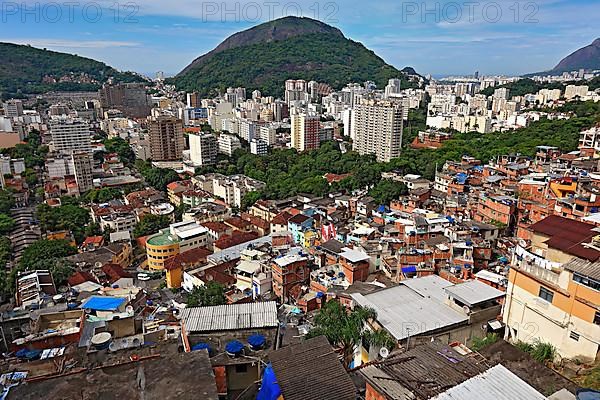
211,294
343,328
7,224
66,217
387,190
150,224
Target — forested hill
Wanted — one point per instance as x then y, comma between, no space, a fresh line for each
265,56
29,70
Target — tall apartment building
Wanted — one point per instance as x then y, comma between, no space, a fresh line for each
82,167
296,90
13,108
247,129
130,98
502,93
166,138
305,132
267,134
203,149
193,100
228,144
572,91
377,129
70,135
259,147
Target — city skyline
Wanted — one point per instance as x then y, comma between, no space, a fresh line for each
433,37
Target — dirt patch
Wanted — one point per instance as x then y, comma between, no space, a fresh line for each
543,379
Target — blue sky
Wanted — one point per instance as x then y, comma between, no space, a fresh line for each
445,37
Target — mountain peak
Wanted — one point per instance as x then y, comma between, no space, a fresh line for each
264,56
277,29
587,57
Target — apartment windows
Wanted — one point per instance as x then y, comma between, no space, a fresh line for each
586,281
574,335
546,294
597,318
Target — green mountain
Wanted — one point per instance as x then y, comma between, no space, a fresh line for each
28,70
264,56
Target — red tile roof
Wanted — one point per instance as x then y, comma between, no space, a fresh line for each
299,219
189,258
235,239
282,218
567,235
79,277
90,240
237,223
114,272
216,226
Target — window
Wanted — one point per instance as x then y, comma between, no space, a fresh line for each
241,368
574,335
546,294
597,318
586,281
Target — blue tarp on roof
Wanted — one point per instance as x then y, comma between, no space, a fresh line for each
256,340
103,303
588,394
269,389
409,269
234,347
201,346
461,178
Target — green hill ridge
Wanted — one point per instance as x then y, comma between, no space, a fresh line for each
29,70
265,56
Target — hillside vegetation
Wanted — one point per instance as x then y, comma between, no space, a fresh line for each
23,69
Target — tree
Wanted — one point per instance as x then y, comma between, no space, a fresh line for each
7,224
66,217
343,328
7,201
211,294
42,253
122,148
150,224
387,190
249,199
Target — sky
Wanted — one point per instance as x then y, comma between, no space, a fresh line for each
439,38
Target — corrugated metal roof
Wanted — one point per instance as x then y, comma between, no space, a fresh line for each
584,267
403,312
230,317
473,292
429,286
386,384
497,383
311,370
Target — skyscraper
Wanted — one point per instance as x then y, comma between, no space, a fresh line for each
377,129
166,138
203,149
70,135
129,98
82,167
305,132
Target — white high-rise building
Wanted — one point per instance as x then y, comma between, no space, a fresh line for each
13,108
70,135
259,147
203,149
267,133
228,144
377,129
305,131
247,129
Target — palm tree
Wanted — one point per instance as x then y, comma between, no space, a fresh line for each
344,329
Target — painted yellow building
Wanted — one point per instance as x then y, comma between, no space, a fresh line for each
553,294
169,242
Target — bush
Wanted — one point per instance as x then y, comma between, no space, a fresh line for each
480,343
538,350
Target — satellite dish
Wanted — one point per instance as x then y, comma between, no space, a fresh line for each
384,352
467,310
